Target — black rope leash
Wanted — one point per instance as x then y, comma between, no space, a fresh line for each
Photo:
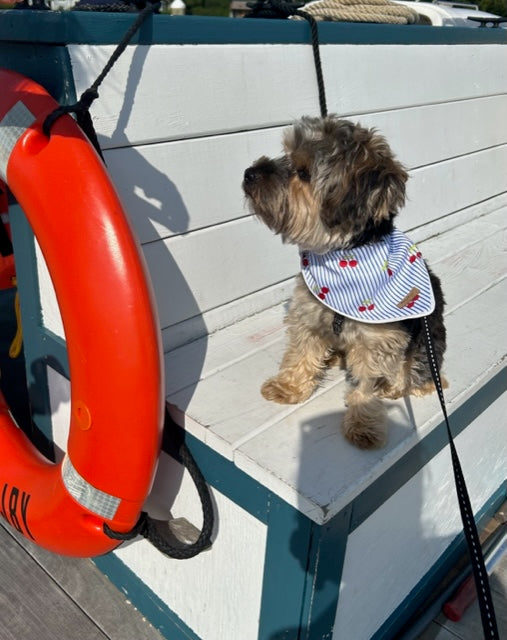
82,107
480,573
280,9
161,537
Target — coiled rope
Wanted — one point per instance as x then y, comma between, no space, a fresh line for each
380,11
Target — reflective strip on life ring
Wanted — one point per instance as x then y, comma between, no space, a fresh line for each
111,330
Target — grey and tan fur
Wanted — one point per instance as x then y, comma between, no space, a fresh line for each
339,186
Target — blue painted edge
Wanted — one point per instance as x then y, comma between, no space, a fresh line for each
224,476
42,348
142,597
413,605
288,546
108,28
50,67
324,574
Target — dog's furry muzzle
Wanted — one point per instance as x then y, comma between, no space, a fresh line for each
265,184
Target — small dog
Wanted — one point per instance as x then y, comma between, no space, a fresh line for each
364,286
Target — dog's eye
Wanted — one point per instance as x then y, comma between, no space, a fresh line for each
303,174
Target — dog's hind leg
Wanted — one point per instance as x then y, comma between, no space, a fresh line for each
365,422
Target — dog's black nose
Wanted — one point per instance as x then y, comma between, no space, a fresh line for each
251,175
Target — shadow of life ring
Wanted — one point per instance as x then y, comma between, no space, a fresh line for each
111,330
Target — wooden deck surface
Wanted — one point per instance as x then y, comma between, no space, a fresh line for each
48,597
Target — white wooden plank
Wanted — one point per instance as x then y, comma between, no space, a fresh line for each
208,355
431,133
226,315
440,189
359,84
205,269
176,187
51,317
192,104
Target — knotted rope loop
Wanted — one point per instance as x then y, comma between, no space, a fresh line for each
82,107
83,104
159,533
139,529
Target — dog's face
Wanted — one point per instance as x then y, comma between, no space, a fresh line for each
337,186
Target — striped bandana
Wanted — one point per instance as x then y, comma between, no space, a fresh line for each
381,282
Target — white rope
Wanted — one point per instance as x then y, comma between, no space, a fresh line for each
383,11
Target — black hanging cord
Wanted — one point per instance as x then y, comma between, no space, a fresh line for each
484,597
82,107
154,533
282,9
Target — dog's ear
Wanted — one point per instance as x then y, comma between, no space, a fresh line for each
382,191
367,193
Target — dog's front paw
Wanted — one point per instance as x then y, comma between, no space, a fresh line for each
278,389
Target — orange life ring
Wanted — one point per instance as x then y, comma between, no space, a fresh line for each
111,331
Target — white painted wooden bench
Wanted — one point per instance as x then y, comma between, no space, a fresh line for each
314,539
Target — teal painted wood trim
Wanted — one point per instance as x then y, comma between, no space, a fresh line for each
417,600
287,552
325,568
400,473
147,602
108,28
224,476
49,66
46,64
41,347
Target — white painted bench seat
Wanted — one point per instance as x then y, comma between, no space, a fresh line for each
308,532
298,451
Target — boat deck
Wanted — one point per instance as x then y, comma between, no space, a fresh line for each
48,597
44,596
